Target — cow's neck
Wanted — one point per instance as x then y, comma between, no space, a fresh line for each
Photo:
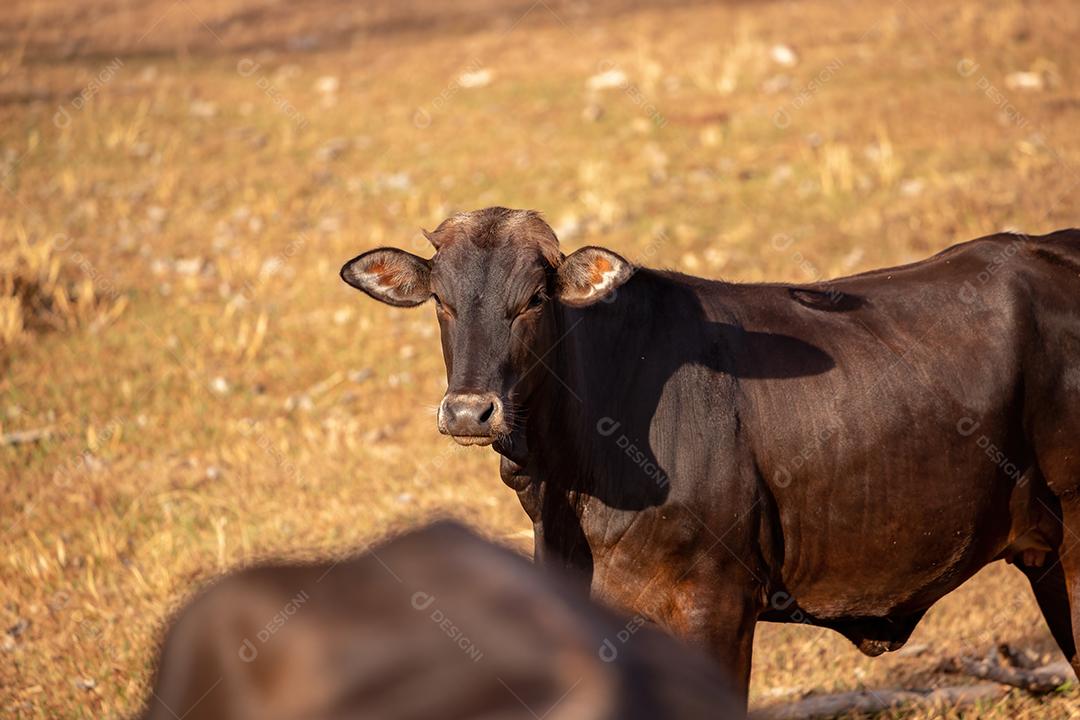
552,421
572,459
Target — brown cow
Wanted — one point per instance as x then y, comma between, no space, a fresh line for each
434,624
709,454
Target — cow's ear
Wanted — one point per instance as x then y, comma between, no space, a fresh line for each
393,276
589,275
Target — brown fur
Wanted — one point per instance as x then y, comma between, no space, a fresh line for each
493,226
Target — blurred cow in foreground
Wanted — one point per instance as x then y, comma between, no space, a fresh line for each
436,623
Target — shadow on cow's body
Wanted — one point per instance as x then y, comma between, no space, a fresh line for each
711,454
600,407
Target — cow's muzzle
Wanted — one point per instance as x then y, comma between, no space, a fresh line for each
471,419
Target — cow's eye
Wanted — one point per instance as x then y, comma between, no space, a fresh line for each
441,308
535,302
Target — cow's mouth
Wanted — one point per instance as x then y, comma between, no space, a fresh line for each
480,440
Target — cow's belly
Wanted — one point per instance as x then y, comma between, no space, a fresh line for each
901,553
882,581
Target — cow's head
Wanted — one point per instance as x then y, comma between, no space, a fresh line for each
496,278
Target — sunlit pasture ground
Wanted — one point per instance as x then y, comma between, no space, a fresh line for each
182,181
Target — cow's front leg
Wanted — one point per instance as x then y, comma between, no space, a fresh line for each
719,617
558,539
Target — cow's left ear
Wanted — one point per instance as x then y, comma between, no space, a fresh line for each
589,275
389,275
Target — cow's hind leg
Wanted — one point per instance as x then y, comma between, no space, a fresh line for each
1069,554
1052,595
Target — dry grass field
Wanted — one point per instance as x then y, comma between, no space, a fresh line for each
182,179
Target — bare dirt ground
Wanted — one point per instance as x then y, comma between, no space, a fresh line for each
182,179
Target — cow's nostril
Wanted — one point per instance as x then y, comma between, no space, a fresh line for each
471,418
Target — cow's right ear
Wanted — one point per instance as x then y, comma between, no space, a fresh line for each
392,276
